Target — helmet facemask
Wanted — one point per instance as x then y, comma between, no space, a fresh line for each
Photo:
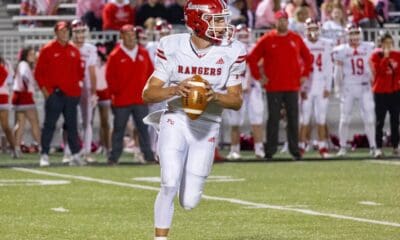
79,35
354,37
219,30
313,33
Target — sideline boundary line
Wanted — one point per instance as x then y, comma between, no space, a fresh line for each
215,198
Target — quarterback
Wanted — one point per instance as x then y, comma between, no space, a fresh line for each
185,146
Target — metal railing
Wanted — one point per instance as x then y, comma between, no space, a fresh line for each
12,42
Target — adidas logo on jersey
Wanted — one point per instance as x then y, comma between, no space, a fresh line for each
220,61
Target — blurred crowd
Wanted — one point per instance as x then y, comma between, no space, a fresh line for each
112,14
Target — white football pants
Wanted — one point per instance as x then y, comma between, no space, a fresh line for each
349,95
186,150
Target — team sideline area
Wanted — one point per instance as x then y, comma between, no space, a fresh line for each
246,200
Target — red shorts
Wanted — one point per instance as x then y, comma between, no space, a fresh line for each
3,98
103,94
22,98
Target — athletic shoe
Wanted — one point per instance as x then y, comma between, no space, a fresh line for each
233,156
372,152
342,152
378,153
76,160
260,154
66,159
90,159
44,160
324,153
285,148
16,153
139,158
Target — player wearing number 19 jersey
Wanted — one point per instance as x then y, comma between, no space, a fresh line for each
353,75
315,91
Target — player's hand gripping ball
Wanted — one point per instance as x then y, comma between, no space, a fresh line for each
195,102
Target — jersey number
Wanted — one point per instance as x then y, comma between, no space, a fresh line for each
318,61
358,66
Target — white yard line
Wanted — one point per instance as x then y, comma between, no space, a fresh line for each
230,200
387,162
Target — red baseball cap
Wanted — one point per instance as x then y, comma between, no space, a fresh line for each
127,28
61,25
281,14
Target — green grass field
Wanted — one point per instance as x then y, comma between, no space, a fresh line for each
276,200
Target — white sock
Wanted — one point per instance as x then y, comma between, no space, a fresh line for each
370,131
67,150
164,207
235,148
302,145
343,133
322,144
160,238
259,146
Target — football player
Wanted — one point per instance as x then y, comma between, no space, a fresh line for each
88,98
353,76
253,104
315,91
186,147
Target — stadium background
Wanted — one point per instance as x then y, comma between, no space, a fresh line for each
13,38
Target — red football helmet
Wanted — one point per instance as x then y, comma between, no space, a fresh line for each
354,34
243,33
141,35
312,29
209,19
161,28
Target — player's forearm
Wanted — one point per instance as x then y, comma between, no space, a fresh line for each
159,94
231,101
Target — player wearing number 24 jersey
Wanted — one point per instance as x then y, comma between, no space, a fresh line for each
353,75
315,92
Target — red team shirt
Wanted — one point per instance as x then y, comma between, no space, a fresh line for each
126,77
387,72
282,69
115,16
3,74
60,67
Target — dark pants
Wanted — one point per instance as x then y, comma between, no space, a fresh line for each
387,102
121,116
289,101
56,104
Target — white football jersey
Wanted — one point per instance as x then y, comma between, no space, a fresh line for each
24,80
89,57
355,62
322,74
221,66
151,47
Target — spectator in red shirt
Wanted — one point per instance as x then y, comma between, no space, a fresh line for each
5,106
127,70
363,13
117,13
58,73
385,65
287,63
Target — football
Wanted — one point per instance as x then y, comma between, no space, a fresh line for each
195,102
